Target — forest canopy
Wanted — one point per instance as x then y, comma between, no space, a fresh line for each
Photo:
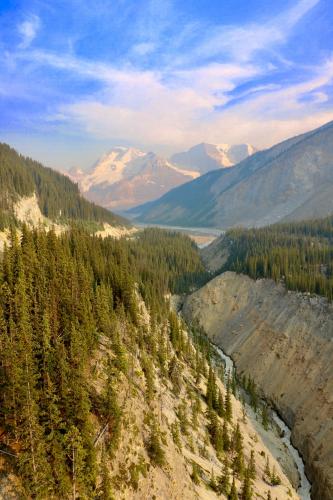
299,253
58,297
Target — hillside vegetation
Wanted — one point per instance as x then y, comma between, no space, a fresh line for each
104,394
58,197
299,254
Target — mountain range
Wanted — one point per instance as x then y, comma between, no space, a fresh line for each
125,177
290,181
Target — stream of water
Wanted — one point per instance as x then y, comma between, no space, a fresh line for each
305,486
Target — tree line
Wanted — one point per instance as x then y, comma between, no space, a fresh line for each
300,254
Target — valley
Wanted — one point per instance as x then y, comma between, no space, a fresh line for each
141,400
166,250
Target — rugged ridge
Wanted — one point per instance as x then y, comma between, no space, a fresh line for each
284,340
289,181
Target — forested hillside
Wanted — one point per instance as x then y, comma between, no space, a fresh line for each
94,365
300,254
58,197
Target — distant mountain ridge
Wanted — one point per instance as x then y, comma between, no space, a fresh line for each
125,177
290,181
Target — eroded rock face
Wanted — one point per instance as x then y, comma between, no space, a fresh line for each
284,340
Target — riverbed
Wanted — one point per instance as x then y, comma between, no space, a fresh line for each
203,236
277,439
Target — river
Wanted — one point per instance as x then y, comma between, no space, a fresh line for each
304,489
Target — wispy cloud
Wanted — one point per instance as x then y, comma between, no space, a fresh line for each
145,108
243,43
170,83
28,30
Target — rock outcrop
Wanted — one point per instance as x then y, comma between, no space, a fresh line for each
284,340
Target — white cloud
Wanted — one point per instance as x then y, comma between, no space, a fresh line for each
142,109
28,30
177,105
241,43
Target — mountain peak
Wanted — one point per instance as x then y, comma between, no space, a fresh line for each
204,157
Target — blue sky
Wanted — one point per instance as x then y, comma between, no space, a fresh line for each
77,76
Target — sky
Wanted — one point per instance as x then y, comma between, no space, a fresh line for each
80,76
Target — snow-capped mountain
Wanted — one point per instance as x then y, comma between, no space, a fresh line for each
205,157
125,177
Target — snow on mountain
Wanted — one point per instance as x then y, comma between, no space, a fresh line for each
113,167
125,177
205,157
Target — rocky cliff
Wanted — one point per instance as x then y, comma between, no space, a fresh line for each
285,341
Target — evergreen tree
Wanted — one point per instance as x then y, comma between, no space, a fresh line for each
233,495
225,436
247,491
228,405
154,447
195,473
252,467
224,479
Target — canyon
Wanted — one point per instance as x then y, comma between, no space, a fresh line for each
284,341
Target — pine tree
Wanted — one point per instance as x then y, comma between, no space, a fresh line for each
182,417
247,491
105,489
274,478
224,479
211,389
175,376
195,473
267,471
215,431
237,439
196,410
154,447
225,436
228,405
252,467
233,495
213,482
220,404
238,464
